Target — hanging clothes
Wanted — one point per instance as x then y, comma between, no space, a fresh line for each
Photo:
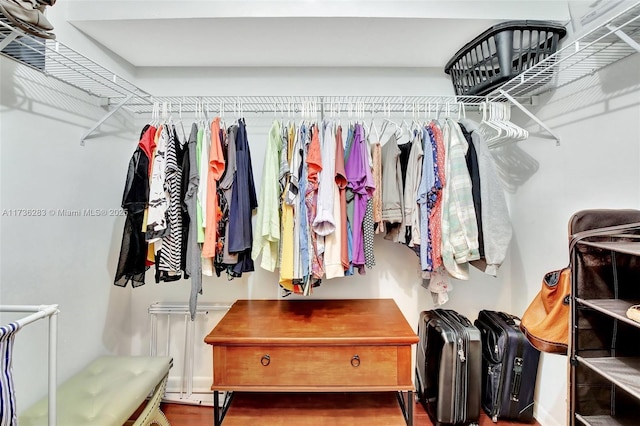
289,256
426,199
376,158
185,172
243,202
304,239
408,231
225,189
459,229
497,230
411,187
157,226
133,251
194,254
336,256
474,174
202,152
267,233
435,195
392,199
314,167
215,170
368,235
360,182
341,181
324,222
169,256
349,199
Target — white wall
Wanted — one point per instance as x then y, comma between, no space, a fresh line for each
59,258
595,166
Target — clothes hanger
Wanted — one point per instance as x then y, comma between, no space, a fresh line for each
461,111
517,133
184,133
164,116
152,122
403,124
437,112
199,115
505,131
170,112
487,127
373,128
223,124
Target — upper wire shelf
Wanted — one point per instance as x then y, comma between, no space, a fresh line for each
56,60
613,40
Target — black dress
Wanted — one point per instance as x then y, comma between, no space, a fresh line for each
132,263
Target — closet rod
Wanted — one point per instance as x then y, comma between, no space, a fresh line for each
297,104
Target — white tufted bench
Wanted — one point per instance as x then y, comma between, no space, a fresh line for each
108,392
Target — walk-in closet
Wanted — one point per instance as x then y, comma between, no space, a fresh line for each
182,182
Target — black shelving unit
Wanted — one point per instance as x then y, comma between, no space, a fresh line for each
604,384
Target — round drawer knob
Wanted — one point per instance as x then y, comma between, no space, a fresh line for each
355,361
265,360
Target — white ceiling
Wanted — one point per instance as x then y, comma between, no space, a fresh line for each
302,33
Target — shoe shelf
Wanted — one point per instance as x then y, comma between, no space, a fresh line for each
622,371
605,421
604,349
626,247
615,308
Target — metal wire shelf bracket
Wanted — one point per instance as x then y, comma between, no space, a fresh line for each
8,39
625,37
530,115
95,127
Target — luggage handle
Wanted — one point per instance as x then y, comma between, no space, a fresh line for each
461,318
508,318
517,378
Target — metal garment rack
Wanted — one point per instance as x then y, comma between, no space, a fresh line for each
611,41
38,312
181,310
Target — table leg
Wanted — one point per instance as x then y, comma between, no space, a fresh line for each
410,404
216,410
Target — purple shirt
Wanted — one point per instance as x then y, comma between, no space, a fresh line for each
360,180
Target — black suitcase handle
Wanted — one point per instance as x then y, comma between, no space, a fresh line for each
517,379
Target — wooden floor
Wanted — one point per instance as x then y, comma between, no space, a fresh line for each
386,412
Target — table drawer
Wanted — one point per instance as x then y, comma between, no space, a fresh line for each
321,366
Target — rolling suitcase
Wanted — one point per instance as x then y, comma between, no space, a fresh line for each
509,365
448,362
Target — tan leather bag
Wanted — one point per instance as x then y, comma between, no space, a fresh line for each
545,323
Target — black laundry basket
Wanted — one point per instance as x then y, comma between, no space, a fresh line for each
501,53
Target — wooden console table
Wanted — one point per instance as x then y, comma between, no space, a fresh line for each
358,345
